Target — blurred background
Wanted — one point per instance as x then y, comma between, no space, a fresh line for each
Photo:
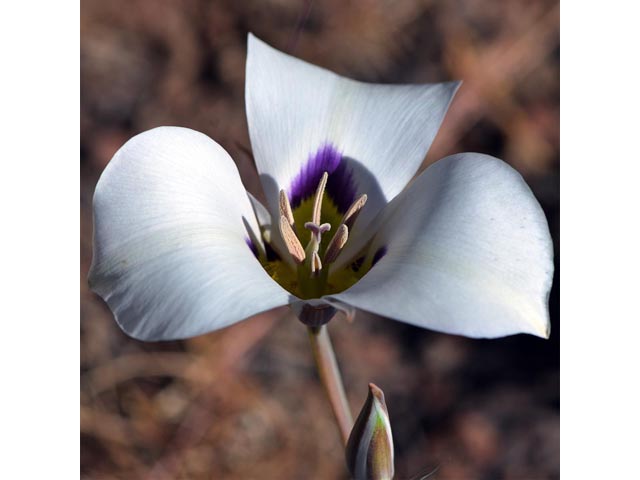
245,402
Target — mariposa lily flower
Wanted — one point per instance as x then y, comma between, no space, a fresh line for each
181,249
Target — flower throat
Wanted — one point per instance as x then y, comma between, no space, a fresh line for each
314,233
310,221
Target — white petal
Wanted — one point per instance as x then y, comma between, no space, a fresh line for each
261,213
468,252
171,223
294,108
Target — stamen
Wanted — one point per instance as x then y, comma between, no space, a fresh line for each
285,208
354,210
316,264
317,204
336,244
291,240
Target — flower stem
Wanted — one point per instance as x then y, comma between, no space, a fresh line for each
331,378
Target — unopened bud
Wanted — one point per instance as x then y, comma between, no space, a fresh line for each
369,450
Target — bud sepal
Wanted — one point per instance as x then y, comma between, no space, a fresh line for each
369,451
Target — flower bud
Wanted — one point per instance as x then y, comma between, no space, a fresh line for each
369,450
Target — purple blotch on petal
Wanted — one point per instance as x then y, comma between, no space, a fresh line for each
252,247
381,252
340,185
272,255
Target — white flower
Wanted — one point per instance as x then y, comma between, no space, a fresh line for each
181,249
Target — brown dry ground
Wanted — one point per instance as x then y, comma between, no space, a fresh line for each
245,402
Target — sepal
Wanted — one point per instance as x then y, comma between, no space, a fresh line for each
369,451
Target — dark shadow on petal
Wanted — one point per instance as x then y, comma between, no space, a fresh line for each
367,183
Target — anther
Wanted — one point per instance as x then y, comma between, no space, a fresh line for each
285,208
316,263
317,204
336,244
354,210
291,240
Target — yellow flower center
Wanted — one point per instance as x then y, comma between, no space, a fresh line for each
315,233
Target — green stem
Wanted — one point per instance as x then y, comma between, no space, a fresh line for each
331,378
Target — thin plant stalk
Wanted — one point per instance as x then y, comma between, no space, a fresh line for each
331,378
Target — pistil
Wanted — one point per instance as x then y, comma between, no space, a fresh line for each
312,264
